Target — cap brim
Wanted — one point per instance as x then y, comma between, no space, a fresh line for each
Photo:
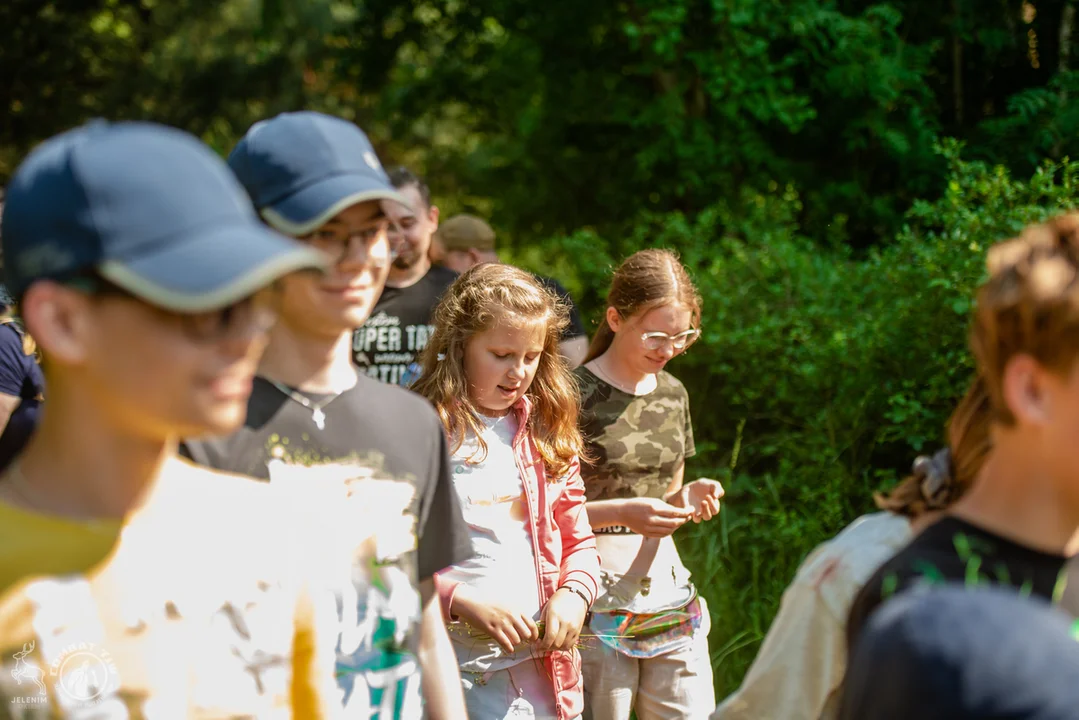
310,208
213,269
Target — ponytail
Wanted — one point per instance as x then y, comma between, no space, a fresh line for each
601,341
938,481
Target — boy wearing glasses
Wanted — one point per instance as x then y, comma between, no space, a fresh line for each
132,581
322,429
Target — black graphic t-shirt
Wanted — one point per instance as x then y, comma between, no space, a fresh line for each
390,342
954,551
386,444
576,328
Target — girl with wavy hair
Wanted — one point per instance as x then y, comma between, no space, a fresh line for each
509,405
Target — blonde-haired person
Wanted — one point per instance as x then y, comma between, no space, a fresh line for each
651,652
509,406
798,673
1018,524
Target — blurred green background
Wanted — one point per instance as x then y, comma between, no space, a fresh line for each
830,170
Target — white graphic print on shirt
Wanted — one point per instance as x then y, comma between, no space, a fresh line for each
380,606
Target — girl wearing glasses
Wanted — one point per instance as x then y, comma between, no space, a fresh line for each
650,651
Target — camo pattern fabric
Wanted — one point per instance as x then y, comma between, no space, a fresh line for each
636,442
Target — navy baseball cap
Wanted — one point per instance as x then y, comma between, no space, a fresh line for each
302,168
950,652
149,208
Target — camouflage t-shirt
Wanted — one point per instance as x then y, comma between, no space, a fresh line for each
636,442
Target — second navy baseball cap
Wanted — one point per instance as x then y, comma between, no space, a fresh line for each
302,168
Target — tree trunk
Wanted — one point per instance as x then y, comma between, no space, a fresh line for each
1067,22
957,65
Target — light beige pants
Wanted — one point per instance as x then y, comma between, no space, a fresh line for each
675,686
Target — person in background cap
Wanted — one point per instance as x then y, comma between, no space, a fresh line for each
954,653
389,344
466,240
133,582
314,420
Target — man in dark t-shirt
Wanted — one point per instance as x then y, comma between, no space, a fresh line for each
316,424
389,344
466,240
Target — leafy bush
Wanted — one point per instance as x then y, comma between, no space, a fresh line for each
820,375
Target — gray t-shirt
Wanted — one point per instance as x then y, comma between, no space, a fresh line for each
390,443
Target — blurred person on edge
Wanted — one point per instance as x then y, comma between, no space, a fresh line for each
132,583
1017,525
466,240
22,384
330,434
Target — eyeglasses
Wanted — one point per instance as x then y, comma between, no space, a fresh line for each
253,314
337,241
681,341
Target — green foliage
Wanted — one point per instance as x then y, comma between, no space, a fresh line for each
820,375
552,117
586,114
781,146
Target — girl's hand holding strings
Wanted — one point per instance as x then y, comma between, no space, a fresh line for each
652,517
508,628
563,618
702,497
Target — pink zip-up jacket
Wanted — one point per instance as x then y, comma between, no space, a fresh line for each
565,548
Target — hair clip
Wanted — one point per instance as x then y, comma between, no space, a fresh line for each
936,476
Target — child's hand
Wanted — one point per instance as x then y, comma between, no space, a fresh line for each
702,497
563,618
508,628
652,517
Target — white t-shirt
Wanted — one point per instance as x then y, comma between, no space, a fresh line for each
503,569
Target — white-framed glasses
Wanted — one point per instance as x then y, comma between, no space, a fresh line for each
681,341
